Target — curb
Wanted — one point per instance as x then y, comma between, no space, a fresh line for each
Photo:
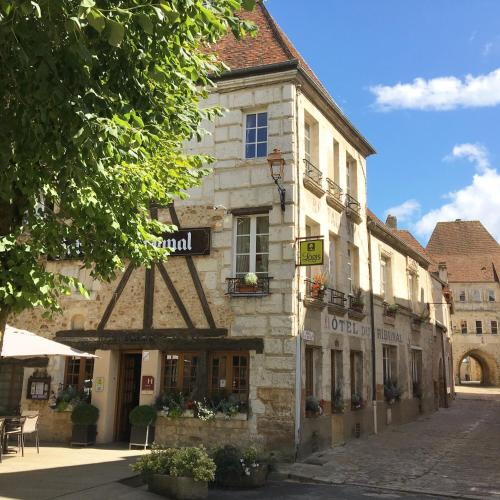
306,479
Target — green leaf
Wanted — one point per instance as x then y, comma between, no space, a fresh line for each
96,20
116,32
248,4
145,22
37,9
87,4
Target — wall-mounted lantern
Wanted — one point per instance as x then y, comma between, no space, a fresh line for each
276,165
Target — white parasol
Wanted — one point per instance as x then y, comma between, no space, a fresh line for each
23,344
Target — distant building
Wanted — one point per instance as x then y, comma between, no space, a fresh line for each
468,256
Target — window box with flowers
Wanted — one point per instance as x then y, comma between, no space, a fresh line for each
390,312
315,290
314,406
338,403
356,305
392,392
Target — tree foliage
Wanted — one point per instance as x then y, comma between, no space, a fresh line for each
97,99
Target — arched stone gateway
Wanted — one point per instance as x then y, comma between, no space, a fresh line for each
477,366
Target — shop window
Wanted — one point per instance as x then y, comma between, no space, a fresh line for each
337,374
229,374
180,372
463,327
494,327
252,245
390,359
356,369
79,373
416,372
479,327
256,135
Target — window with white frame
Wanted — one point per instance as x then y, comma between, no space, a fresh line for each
461,296
252,245
307,141
491,296
256,135
385,276
389,355
463,327
494,327
479,327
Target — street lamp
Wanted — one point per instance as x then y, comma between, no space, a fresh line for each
276,165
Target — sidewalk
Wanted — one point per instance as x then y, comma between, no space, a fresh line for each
59,471
453,452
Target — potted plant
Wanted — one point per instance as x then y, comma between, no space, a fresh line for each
171,404
391,392
357,303
249,283
356,401
338,405
84,418
391,310
318,286
313,406
180,473
239,469
142,419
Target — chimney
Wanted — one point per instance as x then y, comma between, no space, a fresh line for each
443,272
392,221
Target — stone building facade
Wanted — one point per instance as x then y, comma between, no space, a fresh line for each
469,258
294,350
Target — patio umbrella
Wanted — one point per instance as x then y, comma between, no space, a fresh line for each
23,344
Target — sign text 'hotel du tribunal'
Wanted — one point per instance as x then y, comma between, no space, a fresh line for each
189,241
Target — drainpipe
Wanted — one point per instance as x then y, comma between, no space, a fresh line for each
298,343
444,369
372,324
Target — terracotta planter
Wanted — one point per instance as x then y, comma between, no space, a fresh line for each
256,479
244,288
181,488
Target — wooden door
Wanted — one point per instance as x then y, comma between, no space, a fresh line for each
128,392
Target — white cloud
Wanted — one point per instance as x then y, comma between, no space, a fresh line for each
443,93
480,200
475,153
404,212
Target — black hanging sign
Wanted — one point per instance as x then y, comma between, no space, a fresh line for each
187,241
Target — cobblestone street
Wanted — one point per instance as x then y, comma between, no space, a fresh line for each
453,452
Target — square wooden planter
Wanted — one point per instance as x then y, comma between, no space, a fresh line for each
83,435
181,488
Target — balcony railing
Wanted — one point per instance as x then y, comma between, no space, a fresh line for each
356,304
352,204
237,287
333,189
336,298
312,172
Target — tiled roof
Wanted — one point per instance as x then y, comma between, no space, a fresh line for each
269,46
403,236
469,250
461,238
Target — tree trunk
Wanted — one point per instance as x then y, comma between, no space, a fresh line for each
4,312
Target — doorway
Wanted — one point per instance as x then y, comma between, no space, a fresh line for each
129,385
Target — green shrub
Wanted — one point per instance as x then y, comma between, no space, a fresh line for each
177,462
85,414
142,416
312,404
227,461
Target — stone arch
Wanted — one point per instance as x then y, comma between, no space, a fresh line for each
487,364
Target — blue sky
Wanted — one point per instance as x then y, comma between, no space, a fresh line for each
437,138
